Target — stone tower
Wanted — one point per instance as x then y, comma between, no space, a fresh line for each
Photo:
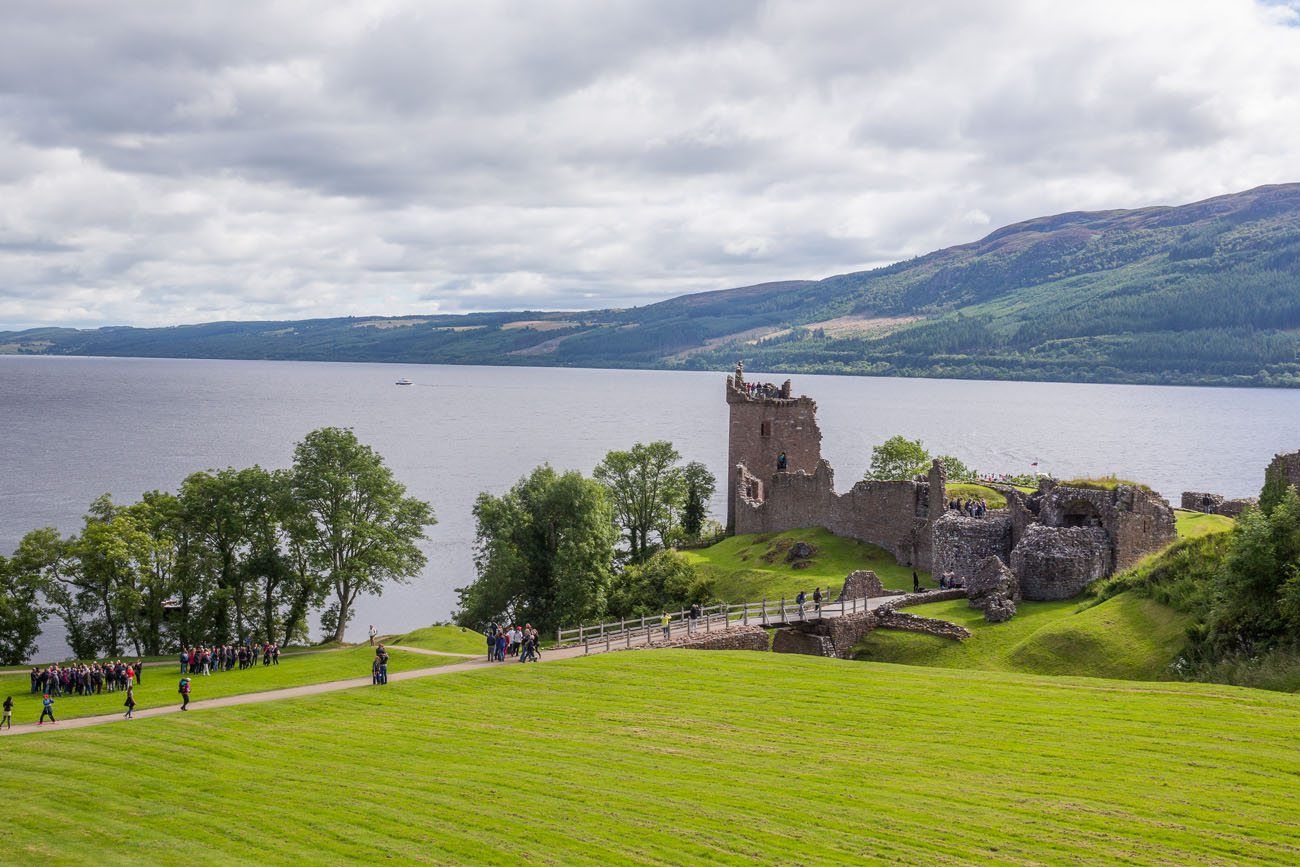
767,421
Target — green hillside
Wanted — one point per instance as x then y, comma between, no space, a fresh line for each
747,568
444,639
678,757
1125,637
1203,293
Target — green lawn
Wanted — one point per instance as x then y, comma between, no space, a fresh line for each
679,757
749,568
967,491
160,682
447,639
1124,637
1192,524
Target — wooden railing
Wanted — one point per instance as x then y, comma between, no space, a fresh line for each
642,631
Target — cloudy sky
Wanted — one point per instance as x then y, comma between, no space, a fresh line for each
179,162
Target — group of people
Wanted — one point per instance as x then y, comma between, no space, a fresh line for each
379,667
85,678
972,508
513,641
761,389
223,657
802,600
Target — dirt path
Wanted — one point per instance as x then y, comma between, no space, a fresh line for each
475,662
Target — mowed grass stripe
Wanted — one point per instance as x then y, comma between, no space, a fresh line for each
680,757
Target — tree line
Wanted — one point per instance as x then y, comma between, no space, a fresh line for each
233,553
561,548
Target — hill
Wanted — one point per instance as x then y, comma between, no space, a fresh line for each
747,568
1205,293
679,757
1124,637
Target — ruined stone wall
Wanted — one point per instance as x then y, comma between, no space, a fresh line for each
1058,562
1137,521
892,515
738,638
764,427
887,618
962,543
1287,466
799,641
1199,501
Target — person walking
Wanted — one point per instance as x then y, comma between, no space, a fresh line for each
916,582
7,721
139,671
373,634
47,709
184,690
666,622
129,704
799,600
817,600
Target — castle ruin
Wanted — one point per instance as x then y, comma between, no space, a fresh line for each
1055,540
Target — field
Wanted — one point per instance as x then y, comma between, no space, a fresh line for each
160,682
1193,524
1124,637
679,757
749,568
966,491
444,639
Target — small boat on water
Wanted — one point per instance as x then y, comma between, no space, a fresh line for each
404,381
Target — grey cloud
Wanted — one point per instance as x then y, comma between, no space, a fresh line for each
163,162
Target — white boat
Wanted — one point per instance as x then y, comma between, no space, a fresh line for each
404,381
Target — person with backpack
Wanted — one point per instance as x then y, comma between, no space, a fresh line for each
47,709
129,704
184,690
817,600
8,719
799,600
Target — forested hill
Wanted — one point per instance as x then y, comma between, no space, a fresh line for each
1203,293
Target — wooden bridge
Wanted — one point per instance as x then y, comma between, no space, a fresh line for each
651,631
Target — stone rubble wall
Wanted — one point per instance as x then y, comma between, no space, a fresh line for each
887,618
1215,504
738,638
1287,466
1058,562
807,643
862,584
962,543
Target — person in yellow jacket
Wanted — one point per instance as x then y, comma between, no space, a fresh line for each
667,628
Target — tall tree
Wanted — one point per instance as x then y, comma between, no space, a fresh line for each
646,489
361,530
159,517
214,510
21,614
51,561
698,485
898,459
544,552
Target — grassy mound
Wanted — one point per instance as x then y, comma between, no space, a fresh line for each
750,567
1125,637
159,686
970,491
610,760
445,639
1190,525
1103,483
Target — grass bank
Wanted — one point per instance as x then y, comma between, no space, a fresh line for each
750,567
680,757
444,639
1191,525
1126,637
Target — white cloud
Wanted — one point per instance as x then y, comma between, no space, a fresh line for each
164,163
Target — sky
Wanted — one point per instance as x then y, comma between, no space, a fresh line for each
163,163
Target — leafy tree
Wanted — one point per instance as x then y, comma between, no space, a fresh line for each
646,489
157,519
898,459
1275,487
360,529
544,552
214,511
699,485
52,563
1262,561
664,581
955,469
21,614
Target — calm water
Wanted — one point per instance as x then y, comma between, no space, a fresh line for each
73,428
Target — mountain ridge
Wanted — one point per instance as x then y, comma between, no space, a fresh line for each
1206,293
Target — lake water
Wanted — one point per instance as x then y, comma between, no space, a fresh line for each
74,428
